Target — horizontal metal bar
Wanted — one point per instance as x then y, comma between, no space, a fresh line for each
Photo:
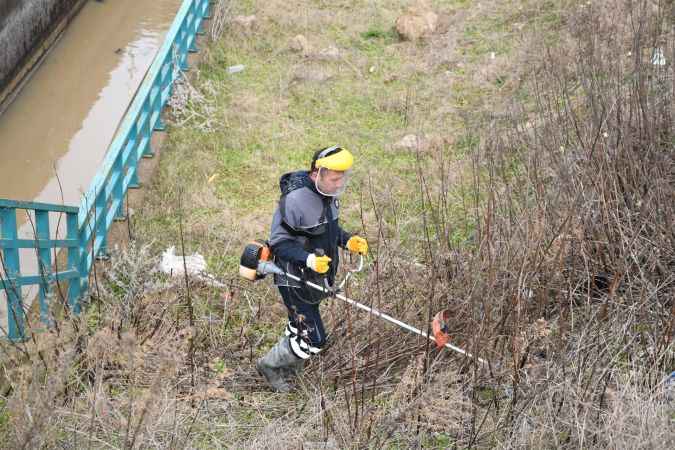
10,283
35,206
39,243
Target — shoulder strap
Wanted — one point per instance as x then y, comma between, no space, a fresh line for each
308,233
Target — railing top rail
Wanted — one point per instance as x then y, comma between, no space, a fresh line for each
4,203
117,146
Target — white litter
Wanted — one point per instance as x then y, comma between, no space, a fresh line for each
658,58
235,69
173,265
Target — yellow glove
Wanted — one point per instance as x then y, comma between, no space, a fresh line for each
319,264
357,244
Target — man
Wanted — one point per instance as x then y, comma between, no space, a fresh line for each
305,237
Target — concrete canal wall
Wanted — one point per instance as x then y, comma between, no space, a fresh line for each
28,28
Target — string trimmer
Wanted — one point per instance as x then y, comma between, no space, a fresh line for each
256,262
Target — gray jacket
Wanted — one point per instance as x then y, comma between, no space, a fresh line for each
303,222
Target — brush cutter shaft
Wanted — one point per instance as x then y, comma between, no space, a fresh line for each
403,325
268,267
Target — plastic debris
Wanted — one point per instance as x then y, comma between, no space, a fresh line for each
658,58
669,381
236,69
669,386
172,264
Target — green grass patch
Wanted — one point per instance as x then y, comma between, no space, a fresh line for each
271,116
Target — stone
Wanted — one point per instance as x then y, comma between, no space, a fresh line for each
299,44
330,53
412,142
245,24
311,73
417,22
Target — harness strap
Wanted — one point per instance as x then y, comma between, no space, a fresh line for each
309,232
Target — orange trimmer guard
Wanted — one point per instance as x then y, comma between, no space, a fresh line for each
439,326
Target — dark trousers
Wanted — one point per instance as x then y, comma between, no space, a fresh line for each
304,315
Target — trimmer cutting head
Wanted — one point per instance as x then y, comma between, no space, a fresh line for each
441,328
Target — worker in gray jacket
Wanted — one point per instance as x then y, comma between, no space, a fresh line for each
305,237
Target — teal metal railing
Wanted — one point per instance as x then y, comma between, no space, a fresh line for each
87,226
44,242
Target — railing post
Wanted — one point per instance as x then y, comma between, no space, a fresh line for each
11,266
173,73
85,265
199,6
147,129
158,104
75,260
194,19
100,230
182,47
44,262
132,162
208,10
118,189
206,15
193,45
129,156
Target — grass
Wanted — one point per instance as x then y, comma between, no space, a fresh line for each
272,116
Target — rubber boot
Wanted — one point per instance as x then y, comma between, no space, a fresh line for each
294,370
273,365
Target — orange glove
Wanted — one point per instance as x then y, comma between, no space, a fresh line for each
357,244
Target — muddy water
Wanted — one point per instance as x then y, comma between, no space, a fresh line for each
59,127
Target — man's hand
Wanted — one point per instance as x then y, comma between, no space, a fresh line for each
319,264
357,244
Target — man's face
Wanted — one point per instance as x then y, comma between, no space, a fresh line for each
329,182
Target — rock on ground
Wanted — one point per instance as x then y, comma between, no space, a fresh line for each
330,53
311,73
417,22
412,142
300,44
244,24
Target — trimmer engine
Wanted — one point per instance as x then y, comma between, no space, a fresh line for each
254,253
